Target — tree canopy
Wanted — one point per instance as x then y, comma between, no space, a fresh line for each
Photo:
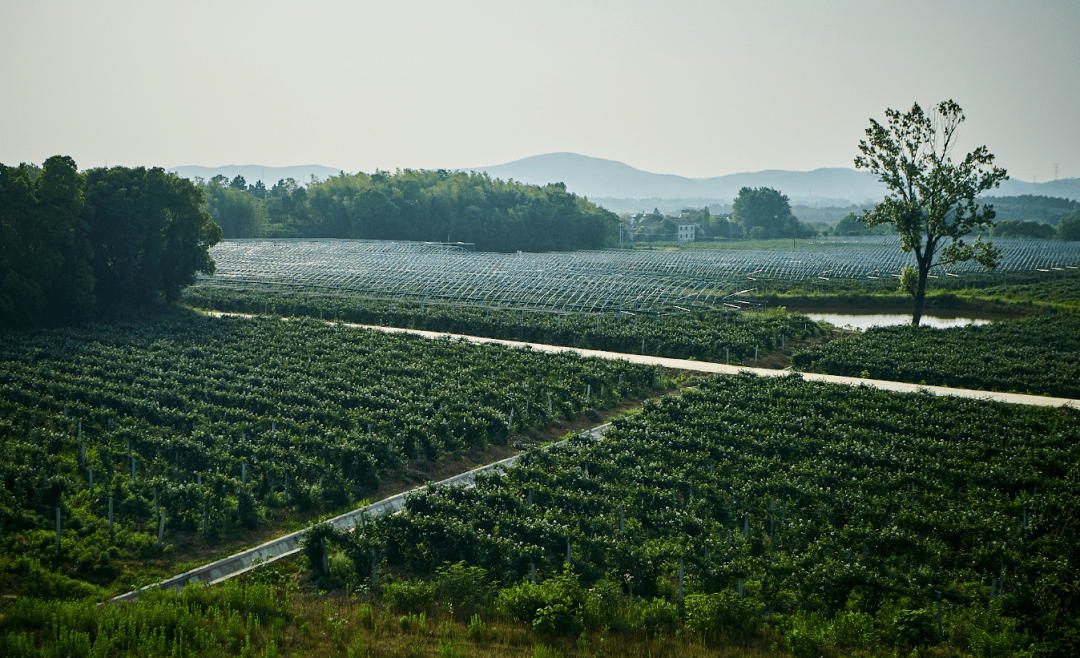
1069,227
73,244
415,205
932,199
765,214
1018,228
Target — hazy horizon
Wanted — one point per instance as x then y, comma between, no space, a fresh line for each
694,89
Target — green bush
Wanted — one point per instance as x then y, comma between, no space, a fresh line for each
409,594
658,615
555,605
460,586
603,605
914,627
723,612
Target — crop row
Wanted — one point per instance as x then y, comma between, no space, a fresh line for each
1039,355
719,336
209,421
798,496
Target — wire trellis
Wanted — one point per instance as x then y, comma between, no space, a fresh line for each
579,282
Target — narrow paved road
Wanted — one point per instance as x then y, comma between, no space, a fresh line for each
719,368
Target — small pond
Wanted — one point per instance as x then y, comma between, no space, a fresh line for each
865,321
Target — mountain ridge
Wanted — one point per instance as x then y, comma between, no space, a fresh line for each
622,188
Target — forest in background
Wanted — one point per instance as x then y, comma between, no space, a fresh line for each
411,204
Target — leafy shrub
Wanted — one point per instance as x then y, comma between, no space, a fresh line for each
562,593
914,627
658,615
409,594
603,604
723,612
460,586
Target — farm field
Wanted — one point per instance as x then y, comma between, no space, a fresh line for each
1039,355
588,281
748,512
753,515
721,336
678,304
831,514
213,423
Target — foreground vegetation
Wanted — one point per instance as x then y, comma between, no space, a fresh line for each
140,438
839,514
273,613
749,516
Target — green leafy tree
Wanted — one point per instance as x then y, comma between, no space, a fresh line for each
1068,228
149,233
931,199
45,255
1018,228
238,213
765,214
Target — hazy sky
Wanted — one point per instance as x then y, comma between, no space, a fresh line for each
692,88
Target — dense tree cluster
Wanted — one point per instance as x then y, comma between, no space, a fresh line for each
764,213
1018,228
73,244
414,205
1032,208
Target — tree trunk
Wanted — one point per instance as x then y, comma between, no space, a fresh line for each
920,294
920,290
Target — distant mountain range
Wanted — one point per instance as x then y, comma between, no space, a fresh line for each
622,188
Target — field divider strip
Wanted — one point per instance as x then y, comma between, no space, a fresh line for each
289,545
723,369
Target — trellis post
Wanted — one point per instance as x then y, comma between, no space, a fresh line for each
680,582
374,573
939,634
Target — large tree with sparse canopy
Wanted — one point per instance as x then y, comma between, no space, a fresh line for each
932,199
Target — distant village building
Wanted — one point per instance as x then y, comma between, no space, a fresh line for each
687,232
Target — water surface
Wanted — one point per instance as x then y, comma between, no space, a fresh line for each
865,321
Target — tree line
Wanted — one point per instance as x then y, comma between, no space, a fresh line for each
410,204
77,245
